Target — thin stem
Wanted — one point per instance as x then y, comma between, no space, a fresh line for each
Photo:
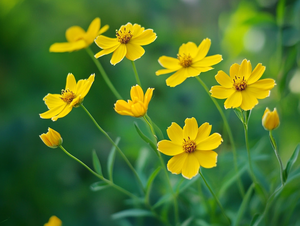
148,122
240,185
116,146
136,74
277,156
103,73
217,200
99,176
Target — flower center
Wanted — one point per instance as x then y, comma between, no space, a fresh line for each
189,145
123,35
185,60
67,95
239,83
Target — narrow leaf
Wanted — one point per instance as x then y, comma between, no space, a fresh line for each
158,132
244,205
132,213
291,161
166,198
239,114
187,222
150,181
96,163
145,138
111,160
254,219
98,186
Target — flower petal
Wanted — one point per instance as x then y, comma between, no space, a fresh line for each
192,72
136,29
188,48
256,74
148,96
53,111
123,108
169,62
190,128
164,71
206,159
203,132
177,78
175,133
249,100
147,37
105,42
210,143
138,109
203,49
265,84
136,93
92,31
74,33
118,54
71,83
233,101
190,167
53,100
209,61
134,51
84,85
176,163
234,70
223,79
220,92
169,148
258,93
107,51
63,113
103,29
244,70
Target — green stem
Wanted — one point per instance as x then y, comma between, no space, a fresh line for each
148,122
277,156
103,73
240,185
136,74
116,146
217,200
101,177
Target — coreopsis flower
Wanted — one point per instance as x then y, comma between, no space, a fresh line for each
270,119
60,105
54,221
138,105
79,39
128,42
191,147
190,62
243,87
52,138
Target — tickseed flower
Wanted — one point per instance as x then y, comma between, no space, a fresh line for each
191,147
270,119
54,221
60,105
138,105
128,42
243,87
79,39
190,62
52,138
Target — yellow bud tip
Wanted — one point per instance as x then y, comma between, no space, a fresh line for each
270,119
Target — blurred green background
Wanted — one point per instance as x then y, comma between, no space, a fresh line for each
37,182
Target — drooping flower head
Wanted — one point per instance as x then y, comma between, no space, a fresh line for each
191,147
79,39
128,42
60,105
190,62
243,87
270,119
138,105
52,138
54,221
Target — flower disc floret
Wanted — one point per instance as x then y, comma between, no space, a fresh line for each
60,105
243,87
191,147
190,62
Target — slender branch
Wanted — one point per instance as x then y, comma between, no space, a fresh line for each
136,74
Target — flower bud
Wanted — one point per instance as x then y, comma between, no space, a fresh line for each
270,119
54,221
52,139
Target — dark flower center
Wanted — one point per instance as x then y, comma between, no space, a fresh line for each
239,83
185,60
67,95
189,145
123,35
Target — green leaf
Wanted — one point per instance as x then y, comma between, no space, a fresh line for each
239,114
98,186
291,162
132,213
187,221
158,132
150,181
111,159
96,163
280,12
254,219
145,138
244,205
166,198
247,116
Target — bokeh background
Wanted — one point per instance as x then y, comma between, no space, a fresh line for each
37,182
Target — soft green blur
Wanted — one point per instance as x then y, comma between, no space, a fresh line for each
38,182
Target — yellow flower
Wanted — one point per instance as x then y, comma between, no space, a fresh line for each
128,42
270,119
54,221
138,105
52,138
191,147
243,87
79,39
190,62
60,105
